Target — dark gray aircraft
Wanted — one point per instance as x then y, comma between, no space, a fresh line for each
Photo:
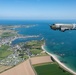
63,27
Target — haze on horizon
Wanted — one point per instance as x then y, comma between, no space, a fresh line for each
37,9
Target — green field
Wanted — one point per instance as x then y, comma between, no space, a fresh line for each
4,52
50,69
35,47
8,34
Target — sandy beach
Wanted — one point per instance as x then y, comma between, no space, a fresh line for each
26,69
61,64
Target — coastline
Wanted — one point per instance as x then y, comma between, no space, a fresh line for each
61,64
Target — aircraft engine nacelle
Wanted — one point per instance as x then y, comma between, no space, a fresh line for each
63,27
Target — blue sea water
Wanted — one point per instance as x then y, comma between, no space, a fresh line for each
60,43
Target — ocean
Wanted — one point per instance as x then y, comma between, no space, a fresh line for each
62,44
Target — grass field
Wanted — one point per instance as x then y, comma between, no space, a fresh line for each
35,47
8,34
4,52
49,69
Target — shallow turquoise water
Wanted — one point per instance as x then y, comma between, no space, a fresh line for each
62,44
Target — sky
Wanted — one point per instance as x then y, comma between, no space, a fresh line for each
37,9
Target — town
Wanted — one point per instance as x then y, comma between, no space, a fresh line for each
11,55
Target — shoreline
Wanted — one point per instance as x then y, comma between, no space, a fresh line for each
61,64
23,37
